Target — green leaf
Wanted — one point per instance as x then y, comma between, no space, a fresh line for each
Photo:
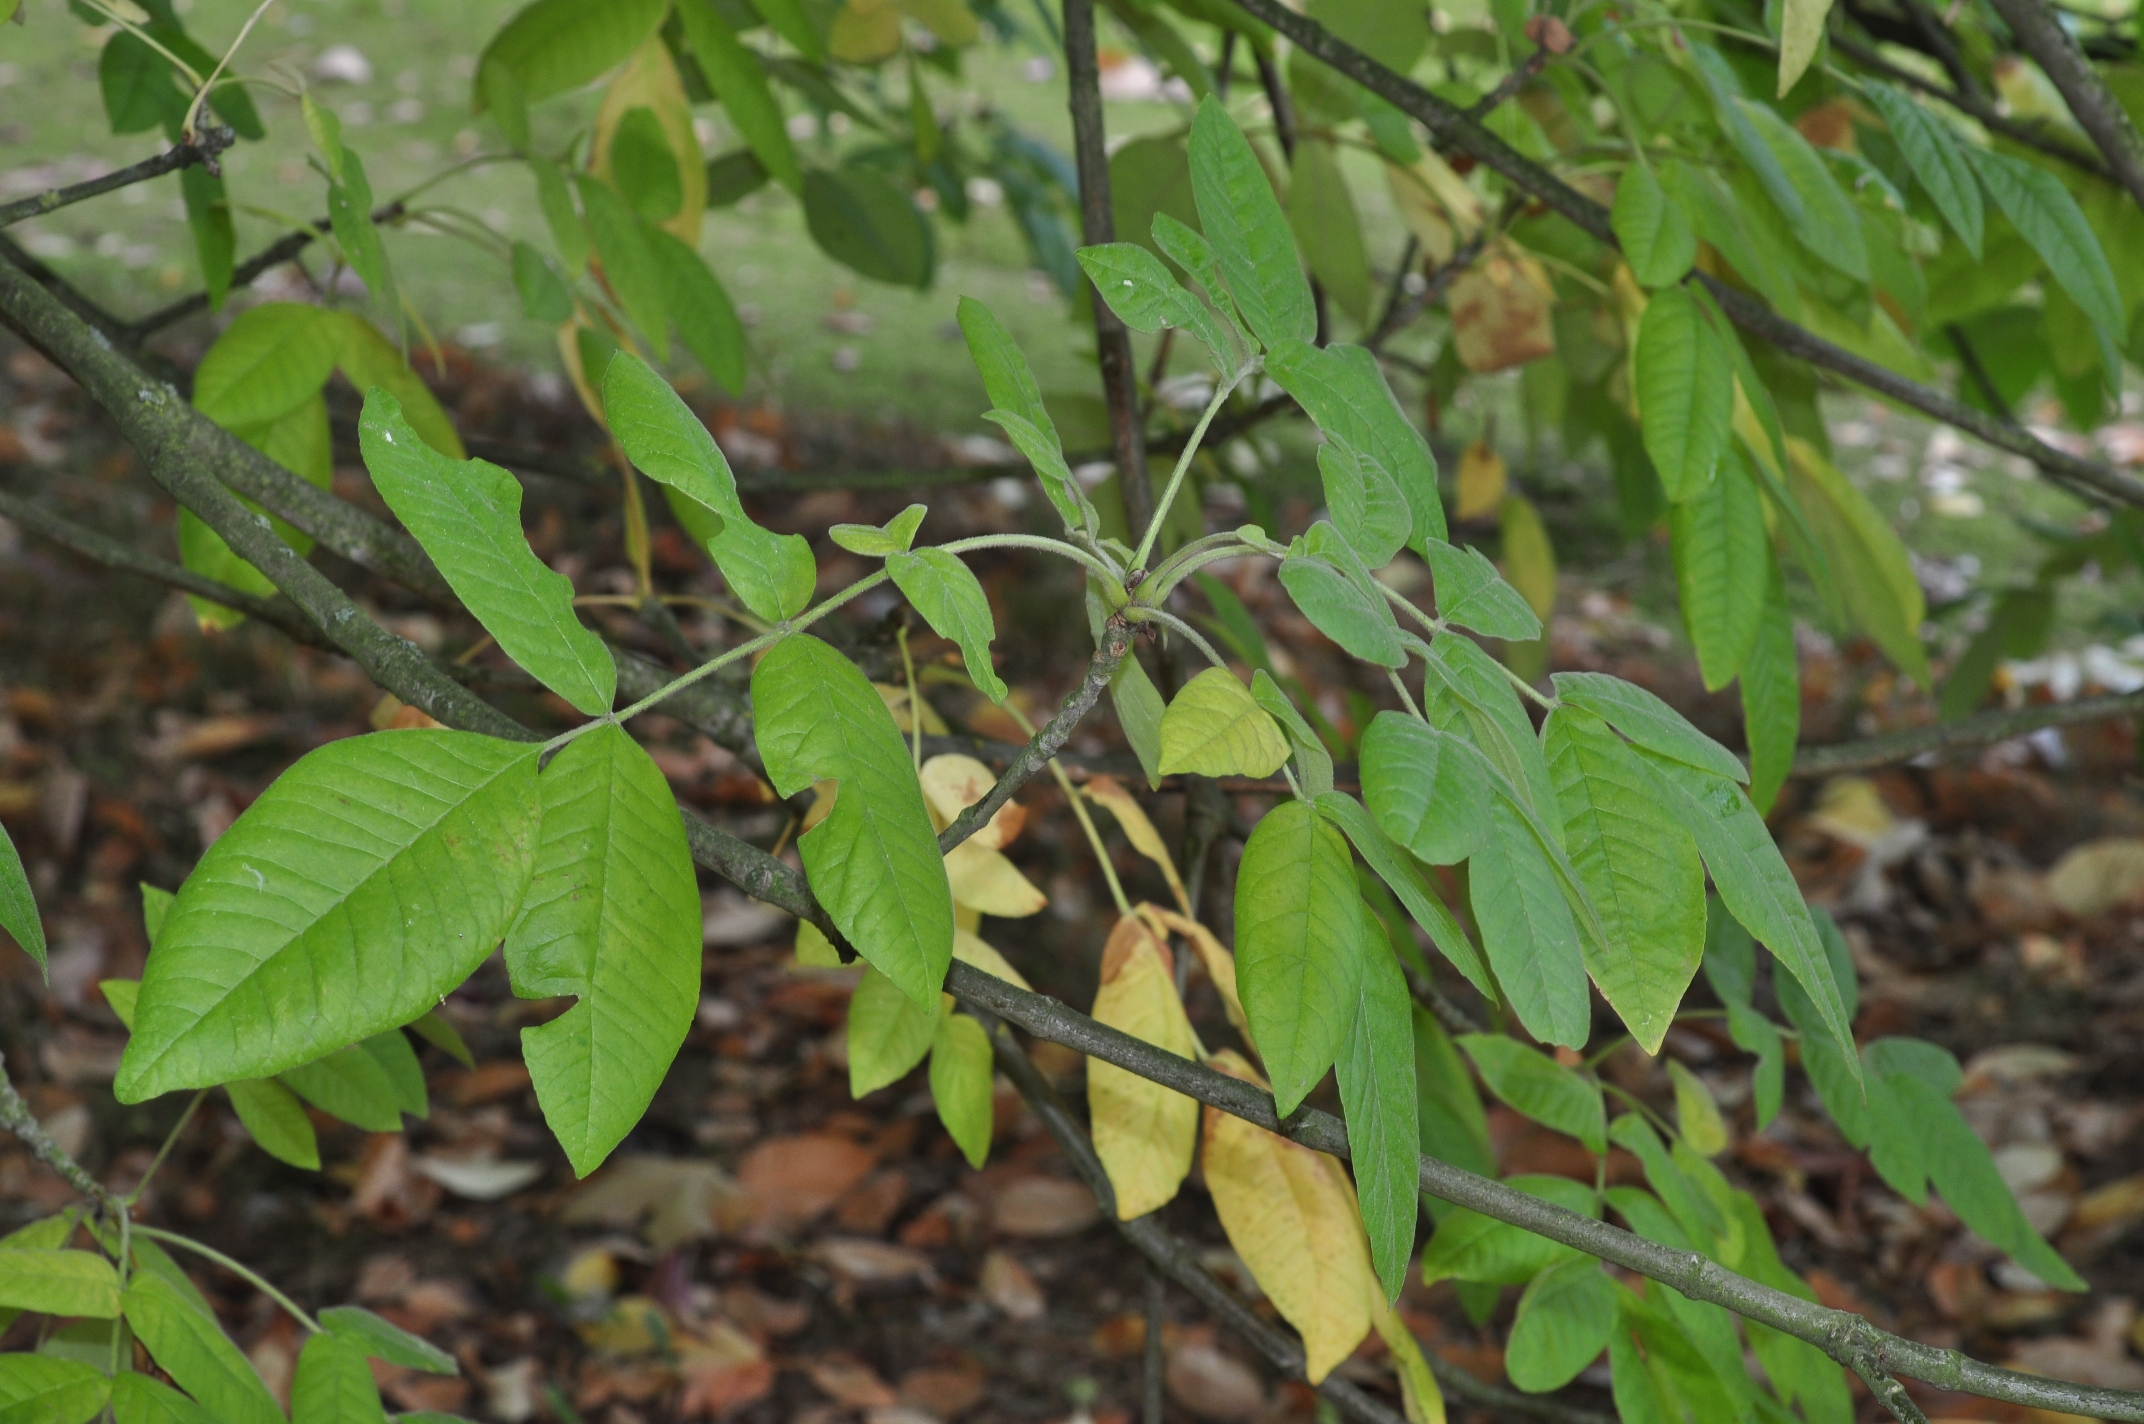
279,1126
644,167
57,1282
1965,1174
1376,1072
1527,927
888,1033
37,1389
545,297
208,214
384,1340
298,440
1313,764
1686,392
467,515
568,233
190,1347
1771,697
1640,870
1320,573
350,219
1472,594
1647,721
333,1384
404,1074
700,307
734,73
1214,727
861,220
789,19
1188,250
434,1028
961,1085
774,574
1139,289
1344,391
876,542
357,890
1535,1085
874,860
2041,209
138,85
1871,575
1465,691
1321,213
266,363
556,45
1801,33
1366,503
624,242
1753,881
1937,158
1656,238
1426,787
369,359
138,1399
1563,1324
1826,221
612,917
1405,880
18,907
1010,384
349,1084
1448,1106
1723,558
1472,1247
1250,237
1300,942
945,591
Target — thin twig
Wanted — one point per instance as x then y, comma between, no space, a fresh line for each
1977,373
1980,729
2090,102
202,149
275,254
1521,75
16,1117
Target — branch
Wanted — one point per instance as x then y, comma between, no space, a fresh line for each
1113,344
213,140
1979,729
1117,642
1452,129
275,254
16,1117
2081,88
1969,358
581,471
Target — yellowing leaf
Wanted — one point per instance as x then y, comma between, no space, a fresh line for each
1697,1115
986,881
864,32
1529,561
1801,30
650,80
1143,1132
951,784
1435,203
1220,965
1107,791
1481,482
1291,1216
896,700
1216,728
813,949
948,20
969,949
1500,312
1419,1394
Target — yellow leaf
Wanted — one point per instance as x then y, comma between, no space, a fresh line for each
948,20
1801,30
1291,1216
1697,1116
1481,482
1435,203
650,79
986,881
1220,965
1215,728
864,32
813,949
1143,1132
896,700
969,949
1108,792
1419,1394
569,355
1529,562
951,784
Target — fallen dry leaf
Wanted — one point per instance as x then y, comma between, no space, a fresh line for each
944,1391
682,1200
1042,1207
1212,1383
870,1262
1007,1285
2098,876
847,1380
790,1180
723,1371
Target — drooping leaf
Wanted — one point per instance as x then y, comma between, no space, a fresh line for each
556,45
1529,559
888,1033
18,907
1937,159
138,1399
1448,1111
1465,691
1655,236
1214,727
1288,1213
625,245
1472,594
1639,867
700,307
1971,1186
1535,1085
1471,1247
1321,212
545,297
1771,697
1010,383
1366,503
1326,579
612,918
39,1389
960,1085
349,1084
279,1126
436,1029
1563,1323
1826,221
2041,209
367,881
59,1282
1377,1087
1300,942
1143,1132
1249,233
266,363
1871,576
874,860
333,1384
1722,570
1646,720
1425,787
368,359
946,592
1344,391
467,515
208,214
384,1340
405,1075
188,1345
1405,879
734,73
863,221
1685,392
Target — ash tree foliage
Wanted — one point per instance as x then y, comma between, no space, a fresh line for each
1675,221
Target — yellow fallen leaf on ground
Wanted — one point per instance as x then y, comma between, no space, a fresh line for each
1291,1216
1143,1132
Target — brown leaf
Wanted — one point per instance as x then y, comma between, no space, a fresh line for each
1042,1207
944,1391
792,1179
1007,1285
847,1380
1213,1384
723,1371
870,1262
1500,312
683,1200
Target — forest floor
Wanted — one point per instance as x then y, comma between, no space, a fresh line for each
767,1250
